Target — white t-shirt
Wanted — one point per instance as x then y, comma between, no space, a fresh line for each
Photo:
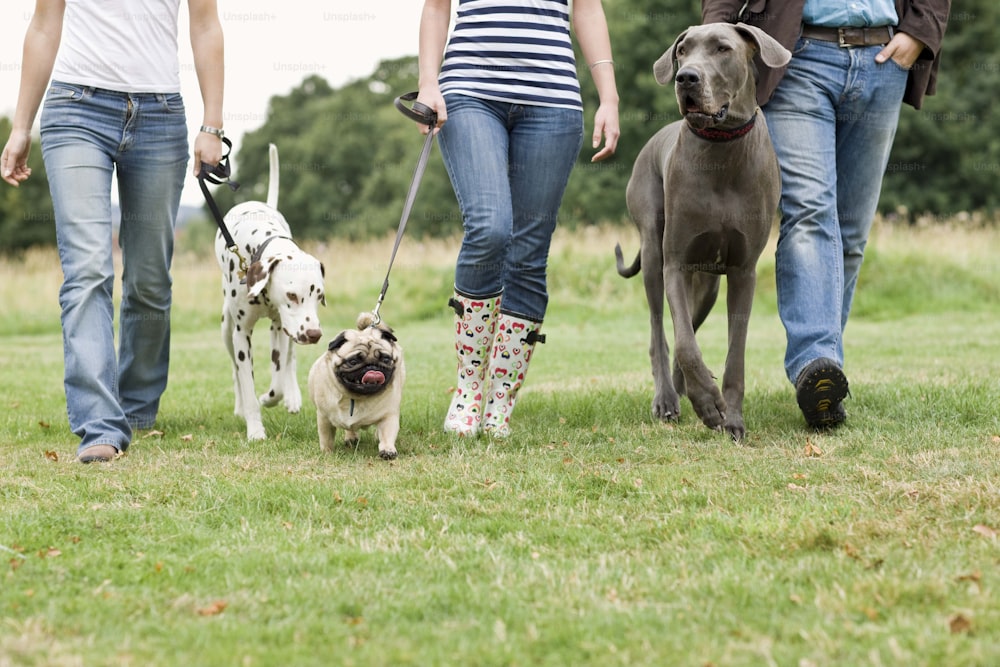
124,45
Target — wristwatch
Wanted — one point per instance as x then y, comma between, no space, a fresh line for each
212,130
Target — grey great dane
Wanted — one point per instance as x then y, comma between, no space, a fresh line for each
703,194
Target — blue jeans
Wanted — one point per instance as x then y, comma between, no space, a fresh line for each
509,165
832,120
87,134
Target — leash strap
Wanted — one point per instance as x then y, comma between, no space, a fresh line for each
420,113
219,174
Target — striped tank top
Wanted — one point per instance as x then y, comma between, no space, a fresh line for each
516,51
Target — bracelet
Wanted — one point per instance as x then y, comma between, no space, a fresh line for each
212,130
601,62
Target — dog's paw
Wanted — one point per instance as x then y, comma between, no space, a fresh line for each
735,428
667,406
387,454
256,432
710,408
270,399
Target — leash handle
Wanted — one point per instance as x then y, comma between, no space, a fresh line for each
418,112
421,113
219,174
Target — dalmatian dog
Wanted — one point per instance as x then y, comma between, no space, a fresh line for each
282,283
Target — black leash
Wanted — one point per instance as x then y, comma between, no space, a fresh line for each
219,174
420,113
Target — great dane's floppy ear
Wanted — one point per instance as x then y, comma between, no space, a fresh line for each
771,52
663,69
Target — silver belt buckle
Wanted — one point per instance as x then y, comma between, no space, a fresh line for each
840,39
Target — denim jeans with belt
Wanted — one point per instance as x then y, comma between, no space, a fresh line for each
832,120
87,135
509,165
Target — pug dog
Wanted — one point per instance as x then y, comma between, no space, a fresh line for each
358,382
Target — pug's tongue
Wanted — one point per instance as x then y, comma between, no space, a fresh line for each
373,377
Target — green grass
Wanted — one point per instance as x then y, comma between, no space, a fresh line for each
593,536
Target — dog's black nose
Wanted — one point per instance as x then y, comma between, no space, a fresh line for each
688,77
312,335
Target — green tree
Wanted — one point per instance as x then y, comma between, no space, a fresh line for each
946,157
347,158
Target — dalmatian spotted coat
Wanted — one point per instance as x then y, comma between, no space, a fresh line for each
282,283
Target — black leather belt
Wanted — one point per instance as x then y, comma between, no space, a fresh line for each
849,36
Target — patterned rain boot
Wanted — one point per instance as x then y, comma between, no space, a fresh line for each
512,349
475,326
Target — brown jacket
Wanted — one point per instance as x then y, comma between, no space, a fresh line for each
782,19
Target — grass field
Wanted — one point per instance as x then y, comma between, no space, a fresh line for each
593,536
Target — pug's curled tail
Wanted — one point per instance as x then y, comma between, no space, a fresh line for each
365,320
627,271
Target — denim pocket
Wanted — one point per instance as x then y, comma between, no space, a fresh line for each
172,103
63,92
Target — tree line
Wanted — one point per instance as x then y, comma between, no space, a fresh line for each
347,154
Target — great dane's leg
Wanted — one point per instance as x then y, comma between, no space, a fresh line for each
704,292
666,402
739,299
706,399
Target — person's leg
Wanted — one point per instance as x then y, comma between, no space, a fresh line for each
474,145
545,143
809,274
151,169
866,126
79,136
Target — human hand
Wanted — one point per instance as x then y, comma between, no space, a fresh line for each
606,126
14,161
433,99
903,49
207,150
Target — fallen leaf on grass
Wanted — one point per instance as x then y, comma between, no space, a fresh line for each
187,438
959,623
795,487
153,434
213,609
972,576
44,424
985,531
52,456
812,450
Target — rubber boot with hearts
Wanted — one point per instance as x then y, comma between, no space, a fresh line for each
512,349
475,327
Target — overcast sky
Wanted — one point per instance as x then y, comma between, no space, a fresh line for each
270,47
